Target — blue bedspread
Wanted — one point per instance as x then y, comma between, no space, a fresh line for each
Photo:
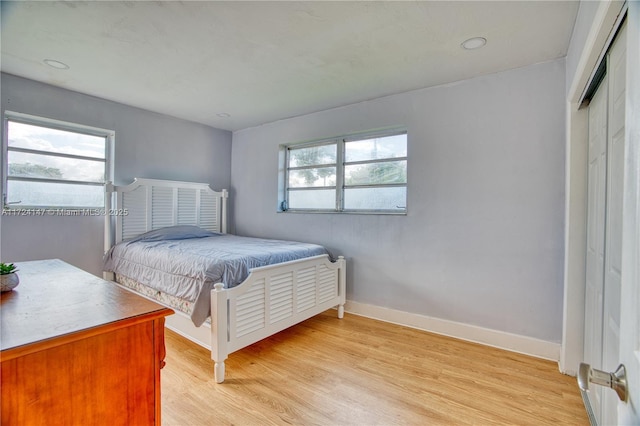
188,268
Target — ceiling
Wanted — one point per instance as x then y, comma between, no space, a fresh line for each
263,61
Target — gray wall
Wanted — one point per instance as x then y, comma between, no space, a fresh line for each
146,145
482,243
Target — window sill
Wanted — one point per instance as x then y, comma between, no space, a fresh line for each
379,213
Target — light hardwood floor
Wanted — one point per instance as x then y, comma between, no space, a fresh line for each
358,371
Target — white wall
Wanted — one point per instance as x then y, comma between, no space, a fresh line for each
482,243
146,145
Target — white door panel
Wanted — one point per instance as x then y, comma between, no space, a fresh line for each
629,413
594,307
604,233
616,67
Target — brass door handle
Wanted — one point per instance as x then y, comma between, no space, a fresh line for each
616,380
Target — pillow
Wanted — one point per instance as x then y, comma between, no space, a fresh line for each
180,232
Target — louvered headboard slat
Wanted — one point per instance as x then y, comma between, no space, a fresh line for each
151,204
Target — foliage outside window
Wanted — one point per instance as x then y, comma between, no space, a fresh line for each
356,174
53,164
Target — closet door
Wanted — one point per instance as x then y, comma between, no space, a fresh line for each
594,296
616,68
604,232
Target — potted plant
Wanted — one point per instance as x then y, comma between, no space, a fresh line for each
8,277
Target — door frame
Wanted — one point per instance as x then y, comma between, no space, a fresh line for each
600,35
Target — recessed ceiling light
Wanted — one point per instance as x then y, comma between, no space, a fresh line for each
56,64
223,115
474,43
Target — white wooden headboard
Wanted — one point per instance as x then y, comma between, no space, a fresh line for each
148,204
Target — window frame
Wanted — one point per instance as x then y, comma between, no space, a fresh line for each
340,186
16,117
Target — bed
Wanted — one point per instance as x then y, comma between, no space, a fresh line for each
164,240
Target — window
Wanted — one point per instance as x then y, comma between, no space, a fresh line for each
48,163
364,174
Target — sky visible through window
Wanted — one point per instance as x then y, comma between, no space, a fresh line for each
41,165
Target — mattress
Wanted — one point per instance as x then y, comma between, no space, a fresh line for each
185,262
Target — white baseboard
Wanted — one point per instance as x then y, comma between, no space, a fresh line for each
181,324
498,339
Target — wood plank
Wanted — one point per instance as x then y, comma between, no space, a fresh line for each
358,371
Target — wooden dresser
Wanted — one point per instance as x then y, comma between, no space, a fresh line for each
78,350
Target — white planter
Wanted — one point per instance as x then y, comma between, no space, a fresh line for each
9,281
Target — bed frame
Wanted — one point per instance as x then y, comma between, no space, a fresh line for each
271,299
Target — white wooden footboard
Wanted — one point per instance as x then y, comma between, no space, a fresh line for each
271,299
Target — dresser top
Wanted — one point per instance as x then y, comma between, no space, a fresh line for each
55,299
